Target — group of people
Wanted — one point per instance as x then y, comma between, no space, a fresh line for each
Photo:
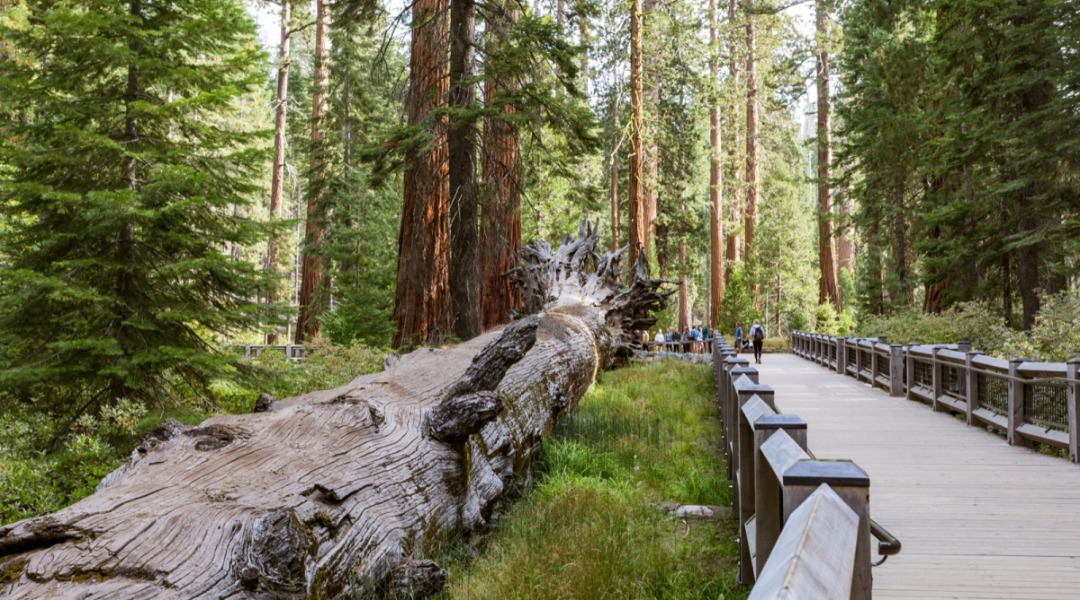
696,339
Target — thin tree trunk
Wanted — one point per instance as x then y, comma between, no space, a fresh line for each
613,189
461,144
934,292
1027,269
639,223
684,298
500,218
312,286
827,288
277,181
751,216
716,214
901,261
651,180
734,197
421,301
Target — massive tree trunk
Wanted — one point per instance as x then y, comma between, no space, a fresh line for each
421,299
750,218
639,222
827,288
716,212
461,144
277,178
500,218
342,490
312,289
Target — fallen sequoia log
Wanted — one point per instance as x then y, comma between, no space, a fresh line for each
342,490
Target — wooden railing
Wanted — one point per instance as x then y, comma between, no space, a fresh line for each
804,524
292,351
1027,401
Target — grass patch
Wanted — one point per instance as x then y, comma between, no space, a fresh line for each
592,527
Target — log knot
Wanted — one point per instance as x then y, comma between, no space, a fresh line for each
276,555
417,579
265,403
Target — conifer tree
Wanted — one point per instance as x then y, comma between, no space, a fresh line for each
120,201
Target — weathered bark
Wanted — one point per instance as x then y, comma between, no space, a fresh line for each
716,212
421,300
639,222
827,288
461,144
312,299
751,216
277,178
341,490
500,213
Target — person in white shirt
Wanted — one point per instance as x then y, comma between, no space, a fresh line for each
757,337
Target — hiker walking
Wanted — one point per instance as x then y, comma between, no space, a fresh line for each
738,338
757,336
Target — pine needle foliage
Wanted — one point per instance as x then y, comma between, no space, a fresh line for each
128,172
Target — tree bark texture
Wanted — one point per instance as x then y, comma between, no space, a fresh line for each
341,490
750,218
827,288
716,212
500,218
733,247
461,144
613,187
313,299
421,300
650,79
639,221
277,178
684,291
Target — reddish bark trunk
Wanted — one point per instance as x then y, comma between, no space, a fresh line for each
733,246
421,302
312,291
827,288
750,218
639,223
500,213
716,214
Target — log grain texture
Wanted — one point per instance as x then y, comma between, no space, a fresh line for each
347,489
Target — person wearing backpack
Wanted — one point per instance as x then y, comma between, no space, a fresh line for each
757,336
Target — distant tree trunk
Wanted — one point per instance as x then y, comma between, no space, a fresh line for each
500,218
651,179
934,291
827,288
639,224
875,283
716,214
461,144
684,297
901,261
613,189
750,218
312,290
734,197
277,181
421,300
583,39
845,245
1027,268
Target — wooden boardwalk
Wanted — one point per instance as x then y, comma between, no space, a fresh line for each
978,519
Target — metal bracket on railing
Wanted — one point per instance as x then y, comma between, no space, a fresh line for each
888,545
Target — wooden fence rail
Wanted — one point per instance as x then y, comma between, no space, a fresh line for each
292,351
804,523
1027,401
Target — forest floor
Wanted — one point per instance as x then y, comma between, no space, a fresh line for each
591,524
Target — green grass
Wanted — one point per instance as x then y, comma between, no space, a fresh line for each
591,527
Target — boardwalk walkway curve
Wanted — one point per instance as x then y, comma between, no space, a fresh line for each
979,519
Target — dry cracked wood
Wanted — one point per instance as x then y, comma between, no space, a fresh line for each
338,490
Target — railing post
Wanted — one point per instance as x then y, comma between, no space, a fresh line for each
768,497
936,378
858,361
750,413
1016,403
910,368
874,359
896,370
963,346
852,484
1073,370
972,385
841,356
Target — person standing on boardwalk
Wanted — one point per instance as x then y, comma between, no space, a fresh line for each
738,337
757,336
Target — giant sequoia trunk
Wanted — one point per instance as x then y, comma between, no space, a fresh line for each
343,489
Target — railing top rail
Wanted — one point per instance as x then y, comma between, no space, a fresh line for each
756,408
1043,369
991,364
781,453
955,356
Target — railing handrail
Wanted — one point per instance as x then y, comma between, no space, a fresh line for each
1022,398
